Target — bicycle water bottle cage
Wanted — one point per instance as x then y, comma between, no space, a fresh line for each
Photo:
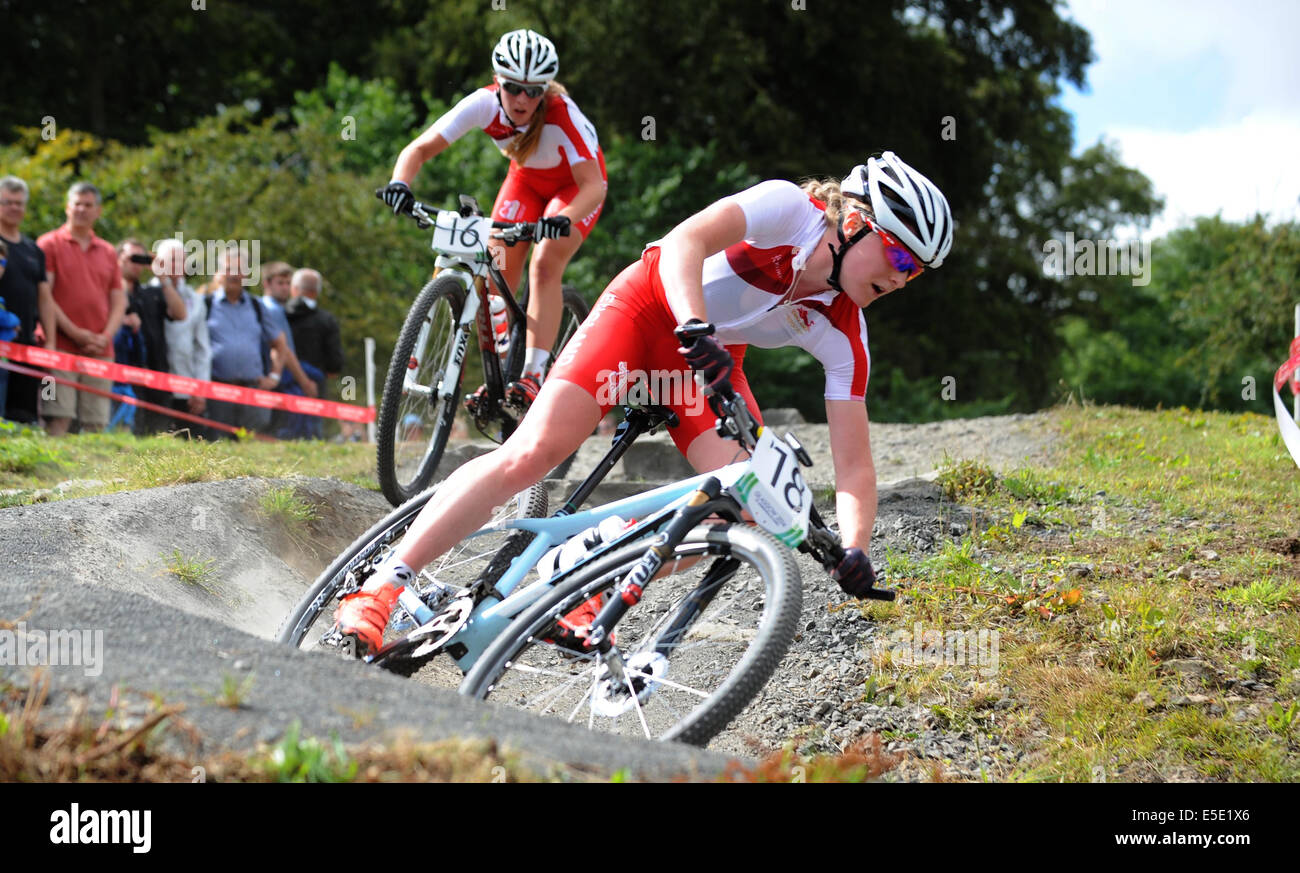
469,206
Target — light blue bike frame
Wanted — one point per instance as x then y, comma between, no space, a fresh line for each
492,615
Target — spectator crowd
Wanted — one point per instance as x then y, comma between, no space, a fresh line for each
72,291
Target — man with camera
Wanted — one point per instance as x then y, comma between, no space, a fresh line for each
148,309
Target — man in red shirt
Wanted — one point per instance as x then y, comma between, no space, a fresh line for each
86,283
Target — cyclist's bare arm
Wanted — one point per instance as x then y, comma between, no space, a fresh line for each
591,191
855,472
682,254
419,151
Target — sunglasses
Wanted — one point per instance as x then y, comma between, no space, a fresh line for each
514,89
899,257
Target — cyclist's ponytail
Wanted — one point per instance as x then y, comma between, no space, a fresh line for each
521,147
828,191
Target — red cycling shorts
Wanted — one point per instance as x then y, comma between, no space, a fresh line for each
625,352
528,194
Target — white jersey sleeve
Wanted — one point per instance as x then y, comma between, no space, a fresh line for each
777,213
837,337
474,111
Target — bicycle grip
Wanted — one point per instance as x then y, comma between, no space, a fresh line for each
688,333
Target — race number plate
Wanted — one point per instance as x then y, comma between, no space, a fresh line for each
774,491
454,234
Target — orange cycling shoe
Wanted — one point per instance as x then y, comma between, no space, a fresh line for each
364,615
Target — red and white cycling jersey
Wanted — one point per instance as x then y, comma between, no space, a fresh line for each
747,288
567,139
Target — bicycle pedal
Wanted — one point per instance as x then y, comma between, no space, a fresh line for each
339,644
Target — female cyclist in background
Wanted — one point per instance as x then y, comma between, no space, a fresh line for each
774,265
556,178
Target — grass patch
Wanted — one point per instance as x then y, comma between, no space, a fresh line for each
285,506
1145,584
117,749
864,761
193,571
33,462
23,451
234,691
299,759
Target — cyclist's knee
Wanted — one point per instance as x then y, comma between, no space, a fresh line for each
547,268
526,463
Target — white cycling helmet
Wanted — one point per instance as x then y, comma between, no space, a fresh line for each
906,204
525,56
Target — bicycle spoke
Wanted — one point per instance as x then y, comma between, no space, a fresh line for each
637,703
590,695
659,680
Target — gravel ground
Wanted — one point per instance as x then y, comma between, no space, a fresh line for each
818,698
123,542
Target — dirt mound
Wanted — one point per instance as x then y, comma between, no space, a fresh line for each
222,550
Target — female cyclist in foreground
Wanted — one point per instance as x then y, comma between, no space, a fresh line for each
774,265
556,177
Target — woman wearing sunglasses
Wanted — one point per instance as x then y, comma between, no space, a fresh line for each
556,177
775,265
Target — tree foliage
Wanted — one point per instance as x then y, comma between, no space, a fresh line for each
692,101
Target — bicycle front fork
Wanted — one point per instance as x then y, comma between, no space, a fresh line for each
628,592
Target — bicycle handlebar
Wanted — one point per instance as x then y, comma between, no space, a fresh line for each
734,419
425,215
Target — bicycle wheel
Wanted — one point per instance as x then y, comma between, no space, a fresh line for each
575,313
487,554
414,420
696,649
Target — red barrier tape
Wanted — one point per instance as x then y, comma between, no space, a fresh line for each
136,401
1289,370
1295,371
41,357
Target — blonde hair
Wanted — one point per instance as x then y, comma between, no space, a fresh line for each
828,191
522,146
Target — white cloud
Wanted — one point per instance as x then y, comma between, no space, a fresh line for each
1255,37
1237,156
1237,169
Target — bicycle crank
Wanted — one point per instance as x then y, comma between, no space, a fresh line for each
429,637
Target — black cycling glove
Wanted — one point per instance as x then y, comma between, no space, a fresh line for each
854,573
710,359
397,195
552,228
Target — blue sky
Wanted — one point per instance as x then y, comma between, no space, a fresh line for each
1202,97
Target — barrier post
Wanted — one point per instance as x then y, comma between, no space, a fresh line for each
369,381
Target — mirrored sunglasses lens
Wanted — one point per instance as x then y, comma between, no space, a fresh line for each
900,259
515,89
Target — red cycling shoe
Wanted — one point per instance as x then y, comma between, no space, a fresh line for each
572,630
364,615
524,392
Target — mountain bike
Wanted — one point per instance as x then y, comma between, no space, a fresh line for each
422,391
698,606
